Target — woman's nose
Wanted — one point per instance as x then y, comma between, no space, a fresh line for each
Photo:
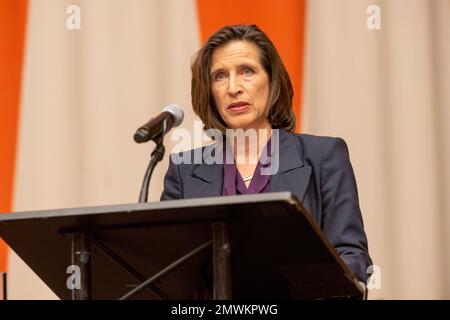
234,86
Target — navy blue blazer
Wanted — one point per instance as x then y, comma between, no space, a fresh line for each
317,170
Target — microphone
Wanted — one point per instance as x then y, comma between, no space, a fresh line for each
155,129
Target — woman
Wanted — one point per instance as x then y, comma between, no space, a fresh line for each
240,82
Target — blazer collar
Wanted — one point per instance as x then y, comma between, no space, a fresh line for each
293,174
290,154
207,179
210,170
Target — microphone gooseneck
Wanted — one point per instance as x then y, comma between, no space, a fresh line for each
155,129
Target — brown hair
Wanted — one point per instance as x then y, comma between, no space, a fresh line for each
279,112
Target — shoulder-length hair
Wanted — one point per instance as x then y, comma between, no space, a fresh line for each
279,111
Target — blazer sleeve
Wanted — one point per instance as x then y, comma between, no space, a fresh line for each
172,183
341,215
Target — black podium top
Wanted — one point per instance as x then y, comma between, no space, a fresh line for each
277,249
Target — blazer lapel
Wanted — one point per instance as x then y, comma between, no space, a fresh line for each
293,175
207,180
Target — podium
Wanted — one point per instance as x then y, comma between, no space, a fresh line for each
246,246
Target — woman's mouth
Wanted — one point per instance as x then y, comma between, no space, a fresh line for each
238,107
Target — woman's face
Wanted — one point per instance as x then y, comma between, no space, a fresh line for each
240,85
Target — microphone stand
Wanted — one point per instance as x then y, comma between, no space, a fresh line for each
156,156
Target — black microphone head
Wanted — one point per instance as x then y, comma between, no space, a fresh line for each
153,128
141,135
177,112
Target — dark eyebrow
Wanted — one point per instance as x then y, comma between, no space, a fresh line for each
215,71
242,65
249,65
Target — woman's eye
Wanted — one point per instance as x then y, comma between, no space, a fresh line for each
248,71
219,76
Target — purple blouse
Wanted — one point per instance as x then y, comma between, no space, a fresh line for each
234,184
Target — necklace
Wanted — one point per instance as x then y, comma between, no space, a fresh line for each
248,178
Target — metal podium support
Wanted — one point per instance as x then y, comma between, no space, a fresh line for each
82,243
221,262
81,254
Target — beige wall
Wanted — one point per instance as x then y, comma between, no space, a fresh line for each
85,92
387,93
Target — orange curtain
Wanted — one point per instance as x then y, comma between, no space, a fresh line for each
12,38
283,21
